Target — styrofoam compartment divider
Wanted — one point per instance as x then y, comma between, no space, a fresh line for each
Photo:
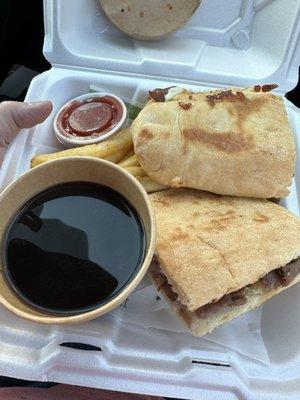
240,43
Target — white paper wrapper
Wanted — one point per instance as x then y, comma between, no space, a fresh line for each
148,310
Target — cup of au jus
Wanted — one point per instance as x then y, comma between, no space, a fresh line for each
77,236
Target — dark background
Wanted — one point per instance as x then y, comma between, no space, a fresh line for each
21,43
21,58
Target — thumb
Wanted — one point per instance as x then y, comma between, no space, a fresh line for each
16,115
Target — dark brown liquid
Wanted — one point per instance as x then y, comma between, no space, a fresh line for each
73,247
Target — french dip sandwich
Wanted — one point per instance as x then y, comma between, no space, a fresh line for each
219,256
234,142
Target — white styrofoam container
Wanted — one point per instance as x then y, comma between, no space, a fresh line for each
232,42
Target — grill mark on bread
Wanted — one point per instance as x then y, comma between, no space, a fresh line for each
162,247
145,135
143,138
249,106
179,235
217,225
230,212
228,142
220,221
214,213
161,201
259,217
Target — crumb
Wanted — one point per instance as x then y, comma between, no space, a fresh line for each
241,96
225,95
268,88
176,182
141,14
185,106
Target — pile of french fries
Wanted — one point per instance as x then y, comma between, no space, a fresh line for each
118,149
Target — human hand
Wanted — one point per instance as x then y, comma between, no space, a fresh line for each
15,116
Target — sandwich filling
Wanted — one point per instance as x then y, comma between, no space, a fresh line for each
279,277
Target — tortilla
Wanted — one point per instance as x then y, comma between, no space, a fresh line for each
149,20
237,144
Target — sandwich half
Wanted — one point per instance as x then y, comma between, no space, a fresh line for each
219,256
234,142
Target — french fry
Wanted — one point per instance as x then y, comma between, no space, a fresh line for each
121,141
130,162
149,185
135,171
129,154
116,157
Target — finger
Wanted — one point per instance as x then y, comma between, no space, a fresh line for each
16,115
36,113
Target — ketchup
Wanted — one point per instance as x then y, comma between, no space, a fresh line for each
91,117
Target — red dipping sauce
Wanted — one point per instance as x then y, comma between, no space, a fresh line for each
90,118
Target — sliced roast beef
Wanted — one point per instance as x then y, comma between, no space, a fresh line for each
274,279
233,299
289,272
271,280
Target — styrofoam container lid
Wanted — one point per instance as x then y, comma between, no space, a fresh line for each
236,43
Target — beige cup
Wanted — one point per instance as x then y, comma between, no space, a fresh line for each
80,169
